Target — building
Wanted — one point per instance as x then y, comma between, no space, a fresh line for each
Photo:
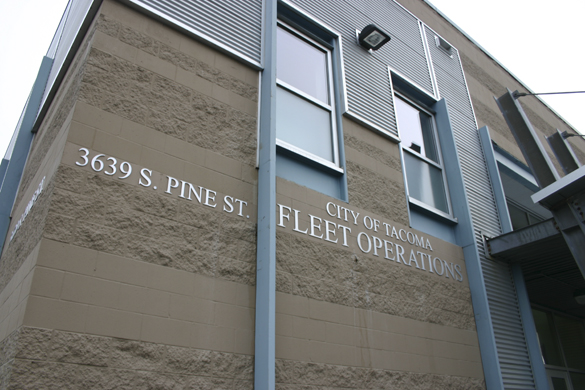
188,205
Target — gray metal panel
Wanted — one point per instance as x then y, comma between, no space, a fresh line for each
499,284
369,97
447,61
453,90
367,81
231,24
67,32
508,328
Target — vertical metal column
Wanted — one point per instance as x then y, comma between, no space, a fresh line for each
527,139
563,152
21,148
538,370
465,236
264,365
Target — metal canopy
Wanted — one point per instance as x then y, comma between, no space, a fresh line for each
548,266
553,264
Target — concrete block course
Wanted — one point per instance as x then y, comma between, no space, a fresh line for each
183,53
59,359
371,191
377,323
116,85
45,150
292,375
148,215
359,283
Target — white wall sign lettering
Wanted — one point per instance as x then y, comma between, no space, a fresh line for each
29,206
183,189
379,238
375,237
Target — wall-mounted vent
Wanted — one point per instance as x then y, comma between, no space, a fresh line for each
444,45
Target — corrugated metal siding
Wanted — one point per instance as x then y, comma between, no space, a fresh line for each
234,24
67,32
503,302
369,97
366,74
406,51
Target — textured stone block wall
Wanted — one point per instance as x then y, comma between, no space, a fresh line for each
52,359
135,285
22,242
351,319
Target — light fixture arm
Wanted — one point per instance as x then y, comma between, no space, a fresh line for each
520,94
565,134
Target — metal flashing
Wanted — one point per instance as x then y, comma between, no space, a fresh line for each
533,346
465,233
63,56
310,18
494,173
429,59
14,168
309,156
430,98
433,212
466,86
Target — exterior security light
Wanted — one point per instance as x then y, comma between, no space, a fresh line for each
372,38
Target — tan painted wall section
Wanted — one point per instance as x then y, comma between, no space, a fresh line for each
108,264
85,291
322,332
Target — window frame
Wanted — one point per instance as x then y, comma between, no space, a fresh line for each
514,174
331,108
552,369
439,165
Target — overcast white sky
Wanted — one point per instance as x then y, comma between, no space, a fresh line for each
26,30
537,41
